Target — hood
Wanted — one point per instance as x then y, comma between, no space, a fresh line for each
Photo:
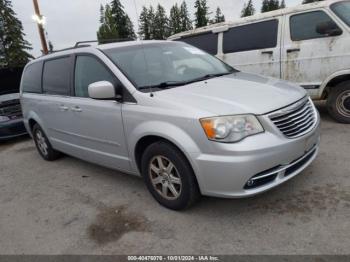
238,93
4,98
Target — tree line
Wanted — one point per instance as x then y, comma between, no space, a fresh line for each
267,6
154,22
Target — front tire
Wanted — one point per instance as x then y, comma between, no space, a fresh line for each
169,176
338,102
43,145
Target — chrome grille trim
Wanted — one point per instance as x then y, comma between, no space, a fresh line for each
295,120
11,108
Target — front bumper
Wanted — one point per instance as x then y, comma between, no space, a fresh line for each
12,129
267,155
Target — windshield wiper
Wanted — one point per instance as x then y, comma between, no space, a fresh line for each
167,84
164,85
208,76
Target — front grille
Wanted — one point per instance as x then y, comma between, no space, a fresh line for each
295,120
11,108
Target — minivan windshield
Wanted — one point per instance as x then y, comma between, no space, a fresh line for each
166,64
342,9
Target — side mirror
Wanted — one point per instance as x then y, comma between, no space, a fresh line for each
103,90
328,28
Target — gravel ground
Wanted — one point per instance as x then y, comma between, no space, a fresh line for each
73,207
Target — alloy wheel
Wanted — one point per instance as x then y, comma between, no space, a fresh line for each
165,178
41,142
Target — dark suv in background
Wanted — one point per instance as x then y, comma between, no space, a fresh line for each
11,121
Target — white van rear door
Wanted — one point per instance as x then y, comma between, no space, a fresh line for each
254,48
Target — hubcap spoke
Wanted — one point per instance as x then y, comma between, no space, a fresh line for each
157,180
169,168
155,169
160,162
173,190
175,180
165,189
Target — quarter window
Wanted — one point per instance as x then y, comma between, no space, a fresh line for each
307,26
207,42
56,76
31,82
89,70
251,37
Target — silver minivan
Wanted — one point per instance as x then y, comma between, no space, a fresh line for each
186,122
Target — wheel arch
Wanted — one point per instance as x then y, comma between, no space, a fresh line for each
31,120
333,81
145,134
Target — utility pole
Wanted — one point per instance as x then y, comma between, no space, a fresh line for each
40,27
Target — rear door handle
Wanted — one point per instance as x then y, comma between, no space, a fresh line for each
267,52
63,108
76,109
293,50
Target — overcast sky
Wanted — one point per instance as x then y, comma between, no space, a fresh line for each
69,21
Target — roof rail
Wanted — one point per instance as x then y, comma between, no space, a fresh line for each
103,41
82,44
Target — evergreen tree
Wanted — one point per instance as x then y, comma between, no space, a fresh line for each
122,20
270,5
108,29
248,9
175,20
115,23
13,47
201,14
219,16
310,1
151,19
283,4
145,25
186,23
274,5
160,24
265,7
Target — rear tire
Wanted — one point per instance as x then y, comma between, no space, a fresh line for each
169,176
338,102
43,145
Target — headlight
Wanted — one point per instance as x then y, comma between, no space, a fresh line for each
4,119
231,128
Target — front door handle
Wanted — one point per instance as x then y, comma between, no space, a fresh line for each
76,109
293,50
63,108
267,52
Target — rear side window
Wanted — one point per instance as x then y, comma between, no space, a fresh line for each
207,42
251,37
56,76
89,70
304,26
31,80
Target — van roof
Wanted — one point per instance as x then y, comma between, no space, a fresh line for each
255,18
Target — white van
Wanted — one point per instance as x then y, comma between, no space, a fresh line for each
307,44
